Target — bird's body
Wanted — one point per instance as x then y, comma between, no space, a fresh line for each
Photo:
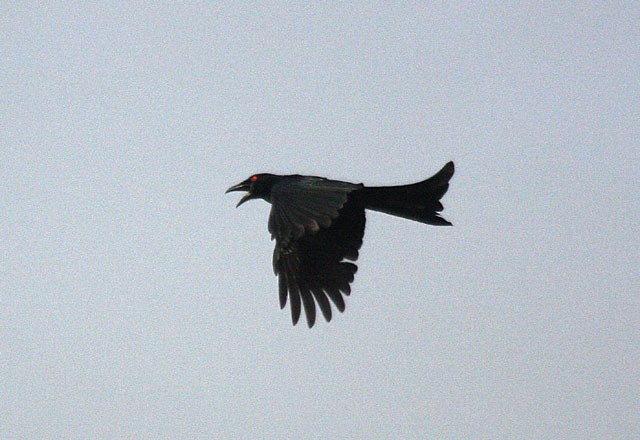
318,225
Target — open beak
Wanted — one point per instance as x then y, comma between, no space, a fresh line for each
242,186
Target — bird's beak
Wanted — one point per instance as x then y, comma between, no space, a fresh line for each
242,186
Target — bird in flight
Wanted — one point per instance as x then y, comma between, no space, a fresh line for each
318,225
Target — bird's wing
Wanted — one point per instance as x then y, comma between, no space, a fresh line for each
316,226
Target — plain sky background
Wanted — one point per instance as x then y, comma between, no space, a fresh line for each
137,302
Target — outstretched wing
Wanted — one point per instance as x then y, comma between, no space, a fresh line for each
316,225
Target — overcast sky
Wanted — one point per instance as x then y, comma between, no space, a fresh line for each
137,302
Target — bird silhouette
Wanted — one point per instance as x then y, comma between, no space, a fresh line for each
318,225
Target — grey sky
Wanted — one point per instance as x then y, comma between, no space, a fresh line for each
137,302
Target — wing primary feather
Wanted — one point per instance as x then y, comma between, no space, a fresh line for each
294,299
336,297
309,306
323,303
282,290
294,291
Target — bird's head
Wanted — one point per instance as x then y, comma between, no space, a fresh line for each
257,186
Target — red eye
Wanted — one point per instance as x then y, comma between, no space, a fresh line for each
254,178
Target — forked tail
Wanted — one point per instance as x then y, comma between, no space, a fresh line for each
418,201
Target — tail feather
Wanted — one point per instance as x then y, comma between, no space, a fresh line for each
419,201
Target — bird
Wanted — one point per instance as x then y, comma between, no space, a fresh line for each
318,226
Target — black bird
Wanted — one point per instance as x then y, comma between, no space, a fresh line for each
318,223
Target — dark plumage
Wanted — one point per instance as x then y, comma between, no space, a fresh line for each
318,225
